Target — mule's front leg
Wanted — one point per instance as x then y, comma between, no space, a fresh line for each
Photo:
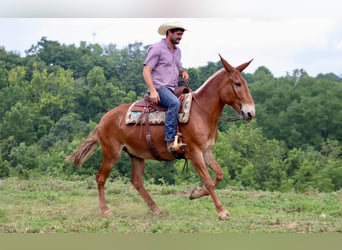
200,166
209,159
222,212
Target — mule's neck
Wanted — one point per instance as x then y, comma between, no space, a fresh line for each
208,97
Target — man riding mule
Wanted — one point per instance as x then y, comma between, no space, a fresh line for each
226,87
162,69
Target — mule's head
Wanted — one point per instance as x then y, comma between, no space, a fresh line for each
235,92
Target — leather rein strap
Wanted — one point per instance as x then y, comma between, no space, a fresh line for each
227,119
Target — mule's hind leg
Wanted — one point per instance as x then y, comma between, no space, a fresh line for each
138,167
110,156
211,162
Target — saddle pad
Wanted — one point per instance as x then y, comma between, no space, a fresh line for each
158,117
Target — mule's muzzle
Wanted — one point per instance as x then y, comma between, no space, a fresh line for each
247,113
247,117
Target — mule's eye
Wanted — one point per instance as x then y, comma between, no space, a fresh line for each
237,84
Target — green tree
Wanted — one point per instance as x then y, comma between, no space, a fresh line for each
298,109
4,168
3,75
19,123
23,159
65,129
59,94
251,159
96,77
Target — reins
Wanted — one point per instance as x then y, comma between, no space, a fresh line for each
227,119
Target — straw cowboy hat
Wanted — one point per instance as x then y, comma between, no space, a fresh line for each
167,26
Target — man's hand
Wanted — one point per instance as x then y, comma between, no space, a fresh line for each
147,74
154,96
185,76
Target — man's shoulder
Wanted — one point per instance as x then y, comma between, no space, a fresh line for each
157,47
159,44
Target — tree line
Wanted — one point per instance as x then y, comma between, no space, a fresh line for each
53,97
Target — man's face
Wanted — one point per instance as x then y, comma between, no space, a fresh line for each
176,36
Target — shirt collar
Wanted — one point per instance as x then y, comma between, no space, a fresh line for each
164,40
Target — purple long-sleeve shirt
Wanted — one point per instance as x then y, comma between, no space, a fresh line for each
165,64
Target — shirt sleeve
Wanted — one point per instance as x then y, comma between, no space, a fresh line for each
152,58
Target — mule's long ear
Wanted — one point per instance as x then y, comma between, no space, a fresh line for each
226,65
243,66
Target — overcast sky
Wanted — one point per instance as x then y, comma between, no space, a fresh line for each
282,39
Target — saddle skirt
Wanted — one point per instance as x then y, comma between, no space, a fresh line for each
138,111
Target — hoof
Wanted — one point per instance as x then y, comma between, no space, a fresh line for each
224,215
195,193
198,192
107,213
158,212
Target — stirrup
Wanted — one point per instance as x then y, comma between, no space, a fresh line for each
177,145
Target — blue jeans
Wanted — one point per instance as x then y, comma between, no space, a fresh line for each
169,100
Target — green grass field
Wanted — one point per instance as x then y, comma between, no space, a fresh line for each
48,205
